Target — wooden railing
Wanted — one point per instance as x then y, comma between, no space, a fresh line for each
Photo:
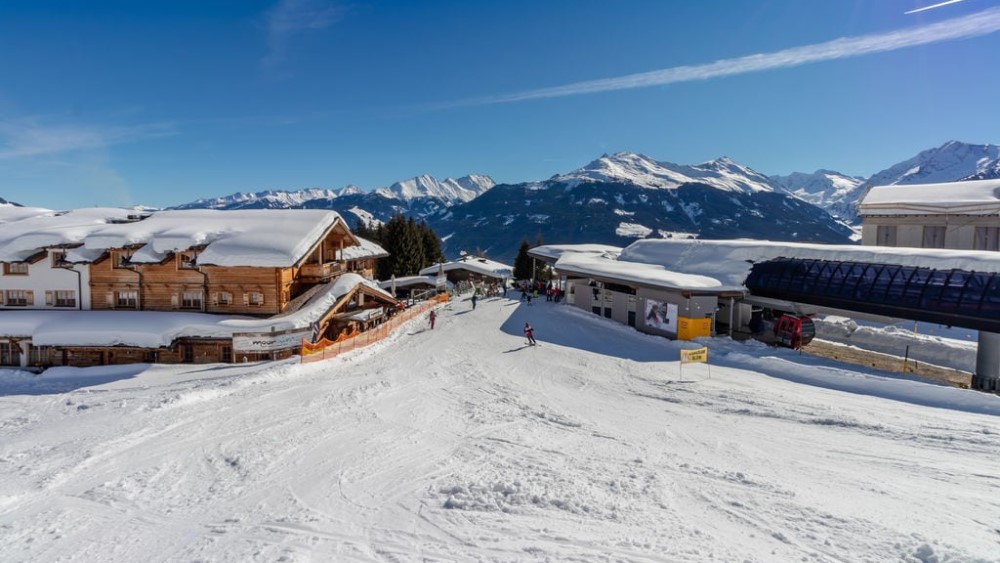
321,271
326,349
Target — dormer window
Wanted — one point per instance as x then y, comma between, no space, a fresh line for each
120,259
187,260
58,258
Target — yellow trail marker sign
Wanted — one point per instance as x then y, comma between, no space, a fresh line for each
692,356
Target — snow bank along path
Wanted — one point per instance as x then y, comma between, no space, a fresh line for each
462,444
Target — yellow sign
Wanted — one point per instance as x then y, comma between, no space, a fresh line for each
692,356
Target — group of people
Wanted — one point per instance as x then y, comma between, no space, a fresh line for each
528,291
533,290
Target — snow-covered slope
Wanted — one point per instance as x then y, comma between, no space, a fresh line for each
640,170
990,171
462,444
823,188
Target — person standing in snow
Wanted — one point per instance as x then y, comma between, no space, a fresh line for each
431,316
529,333
474,301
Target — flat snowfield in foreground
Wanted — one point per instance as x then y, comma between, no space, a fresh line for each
463,444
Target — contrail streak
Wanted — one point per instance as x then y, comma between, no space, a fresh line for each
973,25
931,7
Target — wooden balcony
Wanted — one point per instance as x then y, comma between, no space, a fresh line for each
316,273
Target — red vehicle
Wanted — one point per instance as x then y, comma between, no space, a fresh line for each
794,332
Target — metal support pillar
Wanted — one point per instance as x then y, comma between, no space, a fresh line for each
987,376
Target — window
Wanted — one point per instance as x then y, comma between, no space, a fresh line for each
885,235
227,354
933,237
15,268
19,297
58,258
191,300
10,354
224,298
38,355
60,298
120,259
987,238
187,260
126,299
255,298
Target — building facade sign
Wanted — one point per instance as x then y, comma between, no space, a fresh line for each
269,341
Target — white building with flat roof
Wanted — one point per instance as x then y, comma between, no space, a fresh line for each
954,215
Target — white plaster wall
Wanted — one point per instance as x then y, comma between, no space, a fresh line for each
43,277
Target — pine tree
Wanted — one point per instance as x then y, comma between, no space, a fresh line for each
411,247
523,262
432,245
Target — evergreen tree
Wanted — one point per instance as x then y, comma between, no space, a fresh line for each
411,257
411,246
523,262
364,230
432,245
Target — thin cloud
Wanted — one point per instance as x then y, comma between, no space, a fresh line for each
27,137
289,18
931,7
974,25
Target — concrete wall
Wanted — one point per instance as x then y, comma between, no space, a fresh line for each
960,230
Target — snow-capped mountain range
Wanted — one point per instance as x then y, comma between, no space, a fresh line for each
951,162
448,192
453,190
823,188
619,197
642,171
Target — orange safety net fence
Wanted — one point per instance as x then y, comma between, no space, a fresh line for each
326,349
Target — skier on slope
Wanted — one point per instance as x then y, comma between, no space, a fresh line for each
529,333
431,316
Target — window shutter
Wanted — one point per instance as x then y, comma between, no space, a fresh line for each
111,300
246,299
215,298
173,301
261,299
30,297
49,299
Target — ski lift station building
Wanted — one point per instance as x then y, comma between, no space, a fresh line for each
689,288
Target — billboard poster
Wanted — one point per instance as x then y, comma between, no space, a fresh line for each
661,316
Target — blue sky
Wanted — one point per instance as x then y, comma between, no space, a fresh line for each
159,103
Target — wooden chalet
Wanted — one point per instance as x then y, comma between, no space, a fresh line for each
151,276
301,272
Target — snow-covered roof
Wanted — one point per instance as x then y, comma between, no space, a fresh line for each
151,329
253,237
730,261
411,281
365,249
24,231
601,266
552,252
976,197
483,266
257,237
